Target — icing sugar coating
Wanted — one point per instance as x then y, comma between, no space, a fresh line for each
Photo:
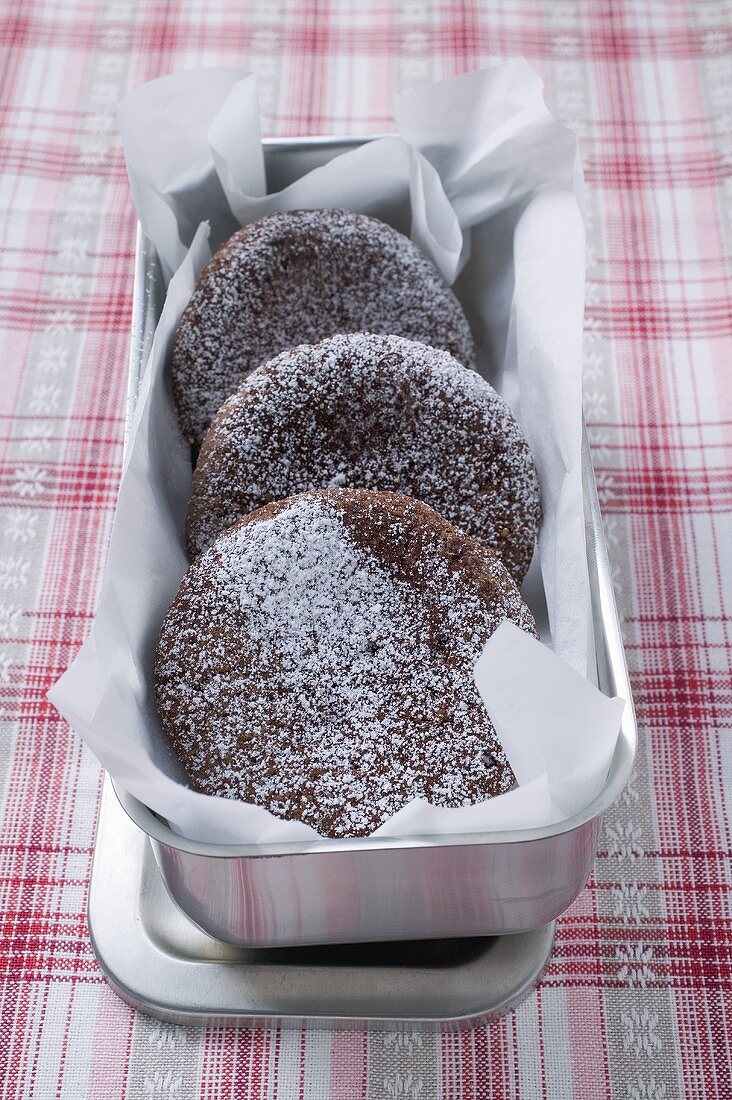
317,661
297,278
374,412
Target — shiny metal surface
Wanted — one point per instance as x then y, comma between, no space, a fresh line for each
161,963
381,888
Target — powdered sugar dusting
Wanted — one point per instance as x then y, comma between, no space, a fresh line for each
302,669
297,278
378,412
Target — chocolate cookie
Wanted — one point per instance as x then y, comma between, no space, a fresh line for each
317,661
297,278
373,412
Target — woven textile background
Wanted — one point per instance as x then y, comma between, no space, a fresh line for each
636,1002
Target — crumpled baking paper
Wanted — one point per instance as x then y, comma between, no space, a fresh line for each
488,184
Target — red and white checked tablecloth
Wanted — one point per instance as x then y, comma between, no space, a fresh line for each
636,1002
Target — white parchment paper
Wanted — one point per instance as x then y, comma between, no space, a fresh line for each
488,184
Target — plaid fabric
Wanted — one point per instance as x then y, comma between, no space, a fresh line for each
636,1002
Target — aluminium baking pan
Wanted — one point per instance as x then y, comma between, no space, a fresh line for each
159,962
374,888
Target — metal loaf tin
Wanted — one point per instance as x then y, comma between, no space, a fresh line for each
376,889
